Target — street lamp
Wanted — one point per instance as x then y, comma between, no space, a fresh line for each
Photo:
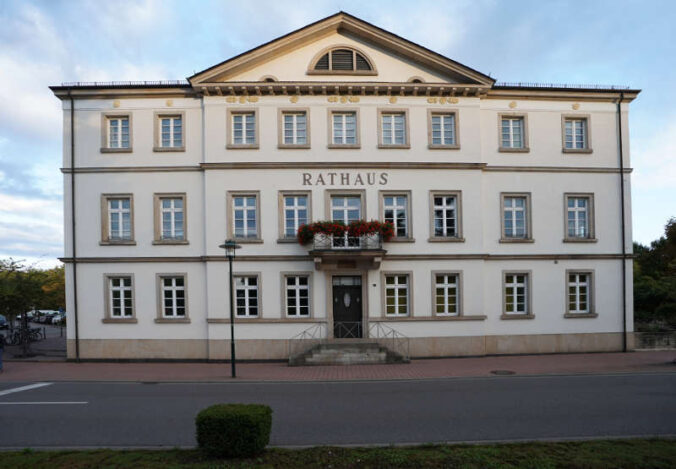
230,245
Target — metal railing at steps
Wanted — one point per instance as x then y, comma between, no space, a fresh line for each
324,242
304,341
391,339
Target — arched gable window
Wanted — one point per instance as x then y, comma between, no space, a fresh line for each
342,60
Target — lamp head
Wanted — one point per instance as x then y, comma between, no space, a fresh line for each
229,245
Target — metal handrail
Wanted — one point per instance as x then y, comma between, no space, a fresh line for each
305,340
391,338
323,242
347,329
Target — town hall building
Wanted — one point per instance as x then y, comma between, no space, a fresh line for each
501,212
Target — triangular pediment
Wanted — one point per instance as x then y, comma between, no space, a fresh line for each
294,57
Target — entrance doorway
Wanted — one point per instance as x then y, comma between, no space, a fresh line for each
347,306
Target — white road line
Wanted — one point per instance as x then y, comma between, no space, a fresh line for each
43,403
24,388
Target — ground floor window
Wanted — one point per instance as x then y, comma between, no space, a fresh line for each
173,296
297,295
120,297
446,294
396,294
516,287
579,284
246,296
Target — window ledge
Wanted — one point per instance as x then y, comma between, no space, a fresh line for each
170,242
265,321
345,146
168,149
513,150
577,150
580,240
404,146
443,147
439,239
247,146
517,316
172,320
249,240
400,240
130,242
119,320
287,241
115,150
580,315
478,317
516,240
290,146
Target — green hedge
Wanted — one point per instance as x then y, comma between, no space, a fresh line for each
234,430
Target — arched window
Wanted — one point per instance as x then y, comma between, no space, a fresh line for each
342,59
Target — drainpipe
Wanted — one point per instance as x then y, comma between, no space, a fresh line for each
623,227
72,220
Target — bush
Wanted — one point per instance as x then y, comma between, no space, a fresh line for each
234,430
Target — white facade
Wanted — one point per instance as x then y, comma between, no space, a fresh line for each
209,171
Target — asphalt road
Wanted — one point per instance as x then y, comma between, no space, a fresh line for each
376,412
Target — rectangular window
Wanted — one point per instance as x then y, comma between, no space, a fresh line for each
120,295
295,213
396,295
119,219
244,128
171,131
172,219
118,132
575,137
346,209
579,286
395,211
344,128
516,293
173,296
445,211
393,128
447,294
246,296
245,217
297,295
578,217
295,128
512,132
515,223
443,130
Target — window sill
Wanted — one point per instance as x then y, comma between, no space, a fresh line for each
168,149
478,317
116,150
170,242
580,315
172,321
438,239
251,146
289,146
400,240
404,146
334,146
513,150
443,147
516,240
117,243
287,241
119,320
517,316
580,240
577,150
249,240
265,321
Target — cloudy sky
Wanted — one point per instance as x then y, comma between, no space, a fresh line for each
47,42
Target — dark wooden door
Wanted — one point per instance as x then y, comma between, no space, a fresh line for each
347,311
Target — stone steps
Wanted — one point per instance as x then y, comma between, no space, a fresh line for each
346,353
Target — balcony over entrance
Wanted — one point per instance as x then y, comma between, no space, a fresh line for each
332,252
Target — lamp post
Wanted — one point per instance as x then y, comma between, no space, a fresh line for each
230,245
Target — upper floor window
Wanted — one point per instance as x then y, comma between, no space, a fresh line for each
243,212
443,130
344,129
117,219
295,213
342,60
172,131
116,133
393,131
576,136
579,217
294,128
243,128
513,133
445,216
515,217
396,211
170,217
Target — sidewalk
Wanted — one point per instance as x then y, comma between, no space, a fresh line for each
654,361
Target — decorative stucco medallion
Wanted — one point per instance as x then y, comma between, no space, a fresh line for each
169,102
116,103
576,106
393,99
512,105
293,99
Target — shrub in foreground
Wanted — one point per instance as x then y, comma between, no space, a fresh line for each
234,430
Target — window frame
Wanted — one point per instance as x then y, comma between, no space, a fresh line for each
529,218
514,115
431,112
105,132
313,63
281,112
230,212
281,215
528,314
383,293
107,295
591,228
591,294
259,295
105,221
588,141
458,217
459,296
346,146
157,216
284,275
158,116
161,318
407,131
330,193
230,145
409,214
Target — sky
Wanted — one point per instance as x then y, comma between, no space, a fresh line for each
43,43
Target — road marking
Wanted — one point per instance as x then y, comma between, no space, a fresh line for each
24,388
42,403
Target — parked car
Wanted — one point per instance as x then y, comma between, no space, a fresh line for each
59,319
3,322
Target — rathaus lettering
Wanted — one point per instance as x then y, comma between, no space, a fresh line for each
345,179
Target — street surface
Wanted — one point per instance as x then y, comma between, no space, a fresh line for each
100,414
